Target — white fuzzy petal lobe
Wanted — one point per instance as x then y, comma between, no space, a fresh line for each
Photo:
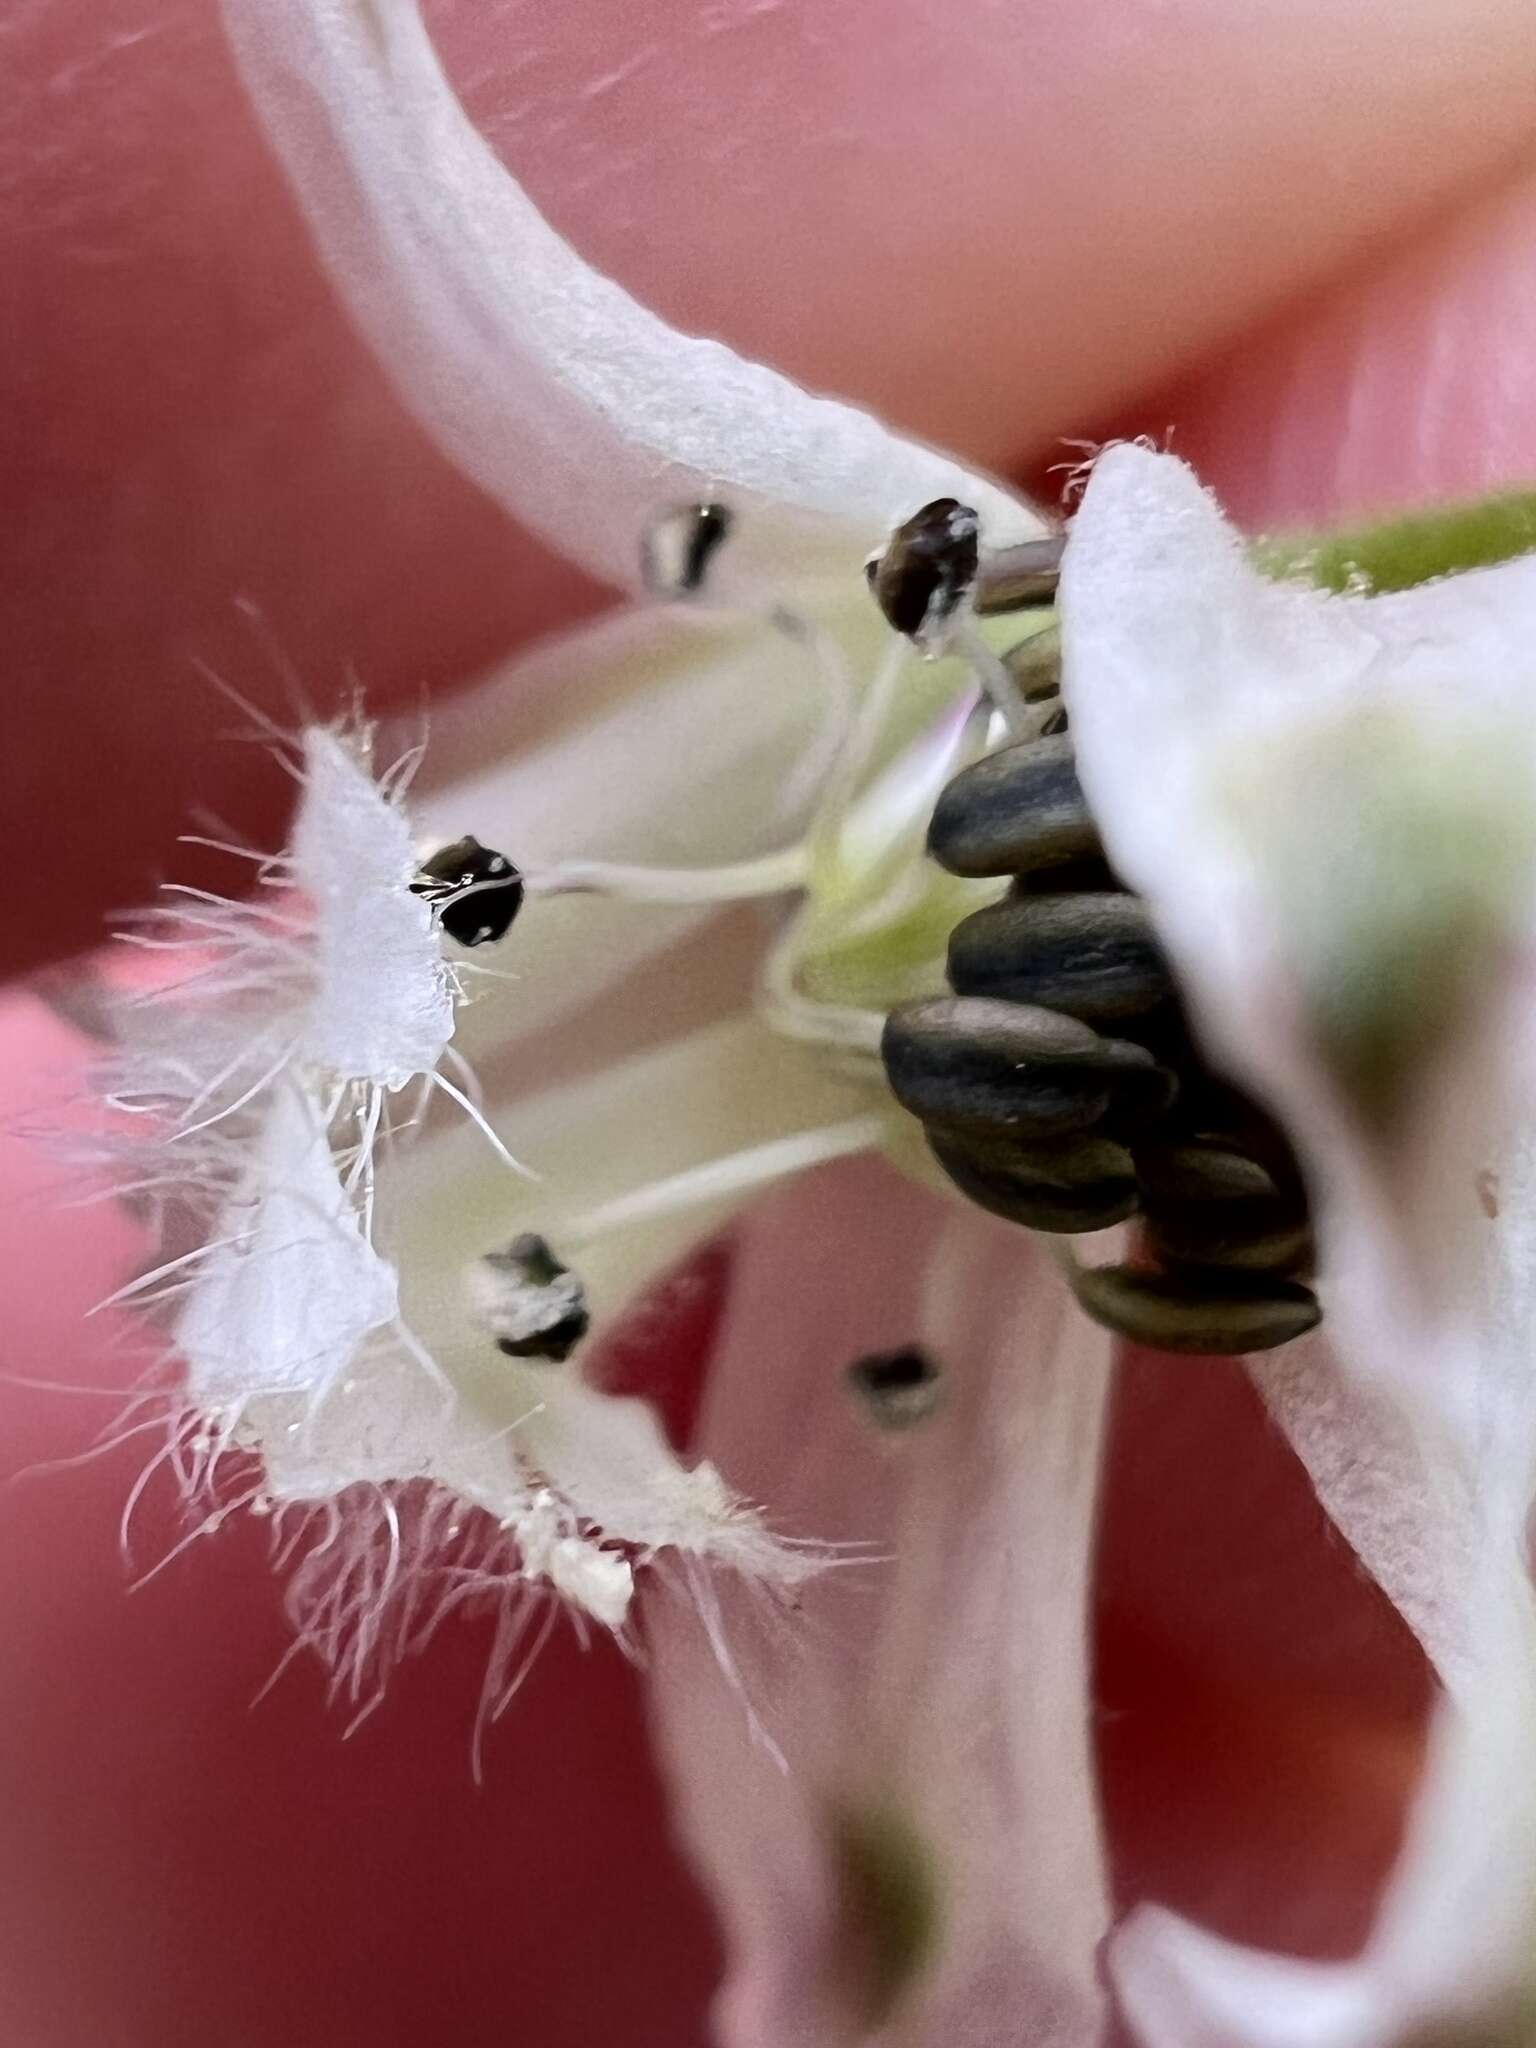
382,1010
572,405
326,1316
292,1287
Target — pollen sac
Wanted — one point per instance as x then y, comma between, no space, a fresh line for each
973,1064
1035,665
897,1388
1209,1315
927,569
1060,1086
1061,1186
475,891
1019,809
677,549
1209,1204
534,1306
1093,956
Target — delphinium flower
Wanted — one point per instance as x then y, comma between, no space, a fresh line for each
924,1932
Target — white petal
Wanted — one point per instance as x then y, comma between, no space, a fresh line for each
561,1467
1328,803
925,1867
1449,1959
291,1288
1322,798
576,408
1183,1988
381,1009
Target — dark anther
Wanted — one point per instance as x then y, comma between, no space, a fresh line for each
1035,1114
677,548
475,891
927,568
1035,665
1062,1185
536,1307
1019,809
1209,1314
971,1063
1093,956
897,1387
1210,1204
1090,875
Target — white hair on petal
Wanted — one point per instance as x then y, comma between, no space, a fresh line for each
249,1095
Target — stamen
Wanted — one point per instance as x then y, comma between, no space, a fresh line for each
853,756
723,1179
785,1009
677,548
535,1306
927,569
475,891
1011,579
677,551
1206,1315
771,874
1013,812
1035,664
927,581
997,679
897,1388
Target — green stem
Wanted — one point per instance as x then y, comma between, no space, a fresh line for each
1399,553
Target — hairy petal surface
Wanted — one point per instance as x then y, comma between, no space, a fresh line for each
905,1850
550,386
388,1388
1327,801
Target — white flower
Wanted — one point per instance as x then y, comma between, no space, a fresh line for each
359,1314
1330,805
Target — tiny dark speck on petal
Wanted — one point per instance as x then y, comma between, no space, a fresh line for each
889,1904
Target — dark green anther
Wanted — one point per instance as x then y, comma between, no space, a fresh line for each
1206,1314
1062,1187
1019,809
1093,956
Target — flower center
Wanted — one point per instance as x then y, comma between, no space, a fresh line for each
1059,1086
1056,1081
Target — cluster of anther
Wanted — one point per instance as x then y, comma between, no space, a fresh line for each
1059,1085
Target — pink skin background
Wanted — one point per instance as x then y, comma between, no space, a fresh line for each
1299,236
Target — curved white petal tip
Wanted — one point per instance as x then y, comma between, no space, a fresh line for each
1183,1988
567,401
